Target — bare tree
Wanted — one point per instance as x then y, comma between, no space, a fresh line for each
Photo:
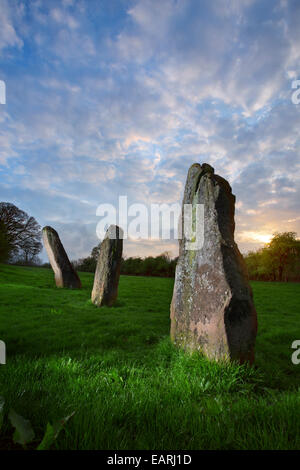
22,232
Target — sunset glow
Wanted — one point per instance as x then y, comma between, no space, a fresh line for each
255,236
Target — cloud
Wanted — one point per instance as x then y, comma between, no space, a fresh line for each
61,17
228,57
8,34
122,99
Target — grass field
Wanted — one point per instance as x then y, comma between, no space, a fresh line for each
129,387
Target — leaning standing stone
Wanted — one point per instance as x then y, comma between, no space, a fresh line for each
65,274
107,275
212,307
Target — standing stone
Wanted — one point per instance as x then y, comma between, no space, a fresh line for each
212,307
65,274
107,275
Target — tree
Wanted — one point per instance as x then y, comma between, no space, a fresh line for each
283,249
88,264
85,264
277,261
19,232
95,252
5,247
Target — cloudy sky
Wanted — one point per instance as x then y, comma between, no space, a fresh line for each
119,97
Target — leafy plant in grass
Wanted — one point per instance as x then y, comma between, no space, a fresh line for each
24,433
52,432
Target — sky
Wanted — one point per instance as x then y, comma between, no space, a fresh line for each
119,97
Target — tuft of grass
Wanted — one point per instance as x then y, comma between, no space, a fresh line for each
129,386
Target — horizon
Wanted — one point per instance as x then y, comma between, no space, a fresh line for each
122,97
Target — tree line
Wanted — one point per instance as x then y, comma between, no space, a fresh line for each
161,266
20,243
278,260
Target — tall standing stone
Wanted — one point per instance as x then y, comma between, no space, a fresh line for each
212,307
107,275
65,274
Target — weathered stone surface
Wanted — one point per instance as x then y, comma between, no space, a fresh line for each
65,274
212,307
107,275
